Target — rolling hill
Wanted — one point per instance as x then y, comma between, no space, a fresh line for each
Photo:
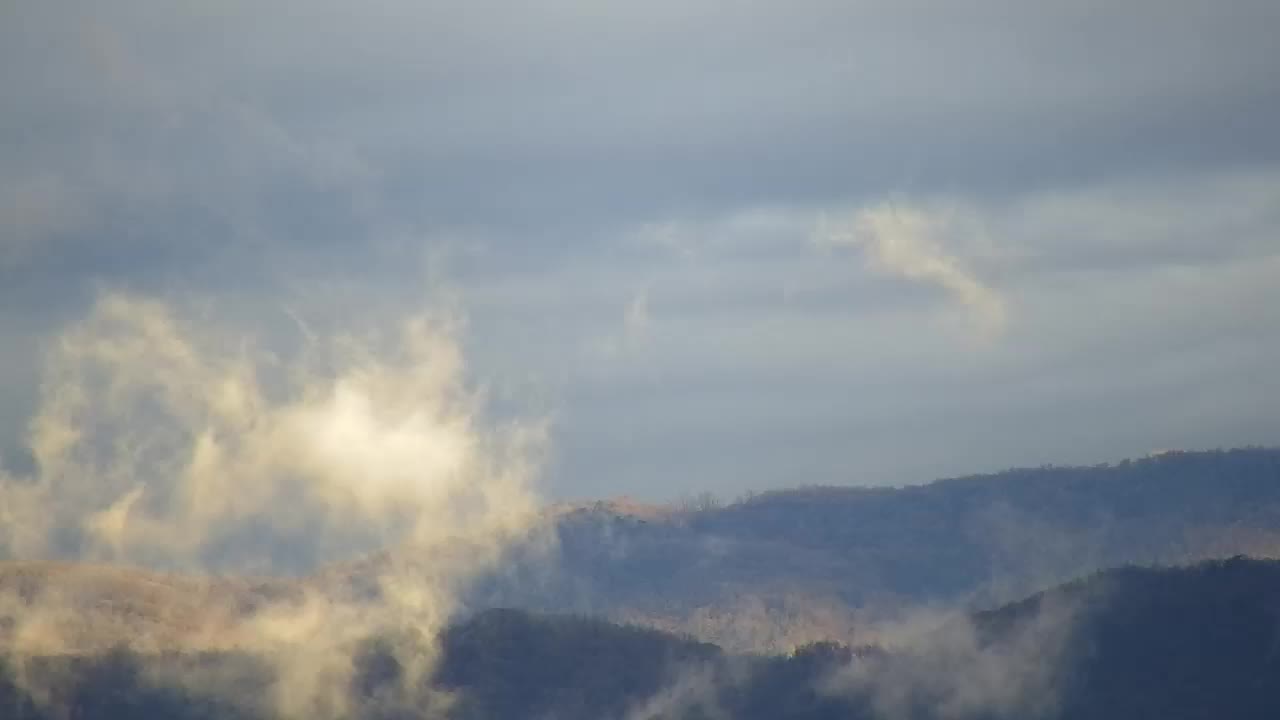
796,563
774,571
1191,643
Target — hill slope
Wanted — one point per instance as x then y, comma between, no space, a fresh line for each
981,539
1195,643
772,572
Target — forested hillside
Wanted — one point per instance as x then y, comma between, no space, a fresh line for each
981,540
788,567
1200,643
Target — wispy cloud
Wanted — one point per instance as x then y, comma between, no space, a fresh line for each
909,242
636,322
631,335
949,666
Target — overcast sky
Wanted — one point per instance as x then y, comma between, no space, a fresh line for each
721,245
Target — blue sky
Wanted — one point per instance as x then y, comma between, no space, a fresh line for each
716,245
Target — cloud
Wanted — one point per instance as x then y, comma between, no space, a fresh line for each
156,112
152,441
170,146
636,322
164,442
951,666
627,339
693,693
909,242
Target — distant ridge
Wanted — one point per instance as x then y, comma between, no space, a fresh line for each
979,539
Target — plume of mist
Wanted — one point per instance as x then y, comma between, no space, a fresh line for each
948,666
908,242
161,443
694,693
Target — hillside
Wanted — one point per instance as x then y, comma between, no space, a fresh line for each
797,561
75,607
768,573
1194,643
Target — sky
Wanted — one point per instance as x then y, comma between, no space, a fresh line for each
714,246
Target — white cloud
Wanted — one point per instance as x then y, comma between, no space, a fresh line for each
155,438
163,442
909,242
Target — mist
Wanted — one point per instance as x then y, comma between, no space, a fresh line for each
166,442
